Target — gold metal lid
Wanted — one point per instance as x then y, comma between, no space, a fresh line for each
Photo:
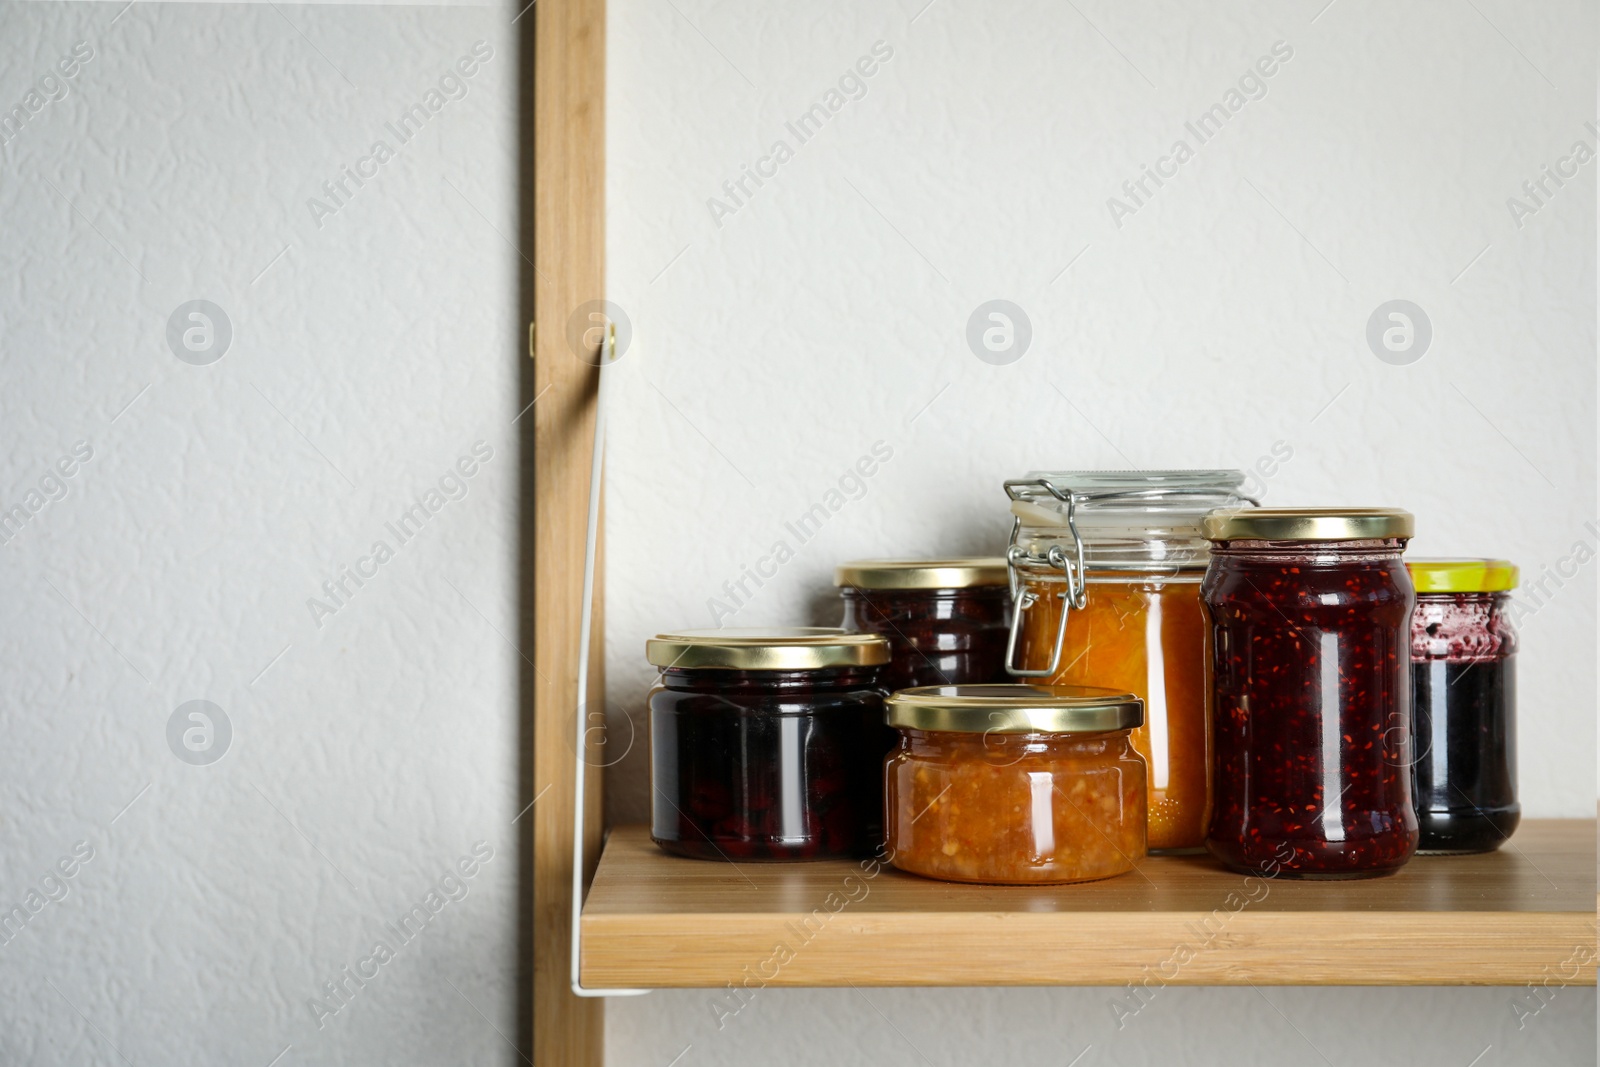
1462,575
1306,524
922,573
790,648
1015,709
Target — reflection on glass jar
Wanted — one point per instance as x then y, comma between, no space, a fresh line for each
1463,668
1133,616
767,745
1015,784
945,620
1310,614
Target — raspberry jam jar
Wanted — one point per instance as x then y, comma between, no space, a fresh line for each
1464,704
1310,613
945,620
1108,567
1015,784
767,744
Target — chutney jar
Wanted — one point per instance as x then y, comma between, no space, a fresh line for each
1310,617
1015,784
1106,569
946,620
767,744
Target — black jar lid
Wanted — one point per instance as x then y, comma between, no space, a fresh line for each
1307,524
1015,709
959,573
791,648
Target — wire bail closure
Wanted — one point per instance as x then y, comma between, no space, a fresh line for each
1071,563
1075,595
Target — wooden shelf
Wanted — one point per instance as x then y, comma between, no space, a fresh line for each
1518,915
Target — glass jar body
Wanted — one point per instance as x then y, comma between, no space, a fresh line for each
768,764
1015,808
1311,707
1463,667
1144,633
936,636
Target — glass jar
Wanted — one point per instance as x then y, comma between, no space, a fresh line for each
1015,784
1464,704
767,744
945,620
1106,569
1310,613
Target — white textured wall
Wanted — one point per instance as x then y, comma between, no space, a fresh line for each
776,343
368,754
371,355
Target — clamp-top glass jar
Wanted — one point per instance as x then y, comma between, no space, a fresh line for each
1310,614
1105,572
945,619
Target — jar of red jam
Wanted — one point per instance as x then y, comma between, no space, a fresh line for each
767,744
1310,616
945,620
1015,784
1464,704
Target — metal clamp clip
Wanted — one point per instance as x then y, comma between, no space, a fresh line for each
1075,595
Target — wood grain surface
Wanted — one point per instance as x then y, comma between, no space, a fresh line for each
1505,918
568,216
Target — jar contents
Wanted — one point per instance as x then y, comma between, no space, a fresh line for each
1310,613
945,620
1463,666
1122,553
1006,788
1147,637
780,758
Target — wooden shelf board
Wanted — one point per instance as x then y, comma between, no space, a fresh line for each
1510,917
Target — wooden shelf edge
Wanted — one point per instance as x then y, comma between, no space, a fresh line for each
657,922
1092,949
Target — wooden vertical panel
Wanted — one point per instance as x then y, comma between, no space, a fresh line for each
568,241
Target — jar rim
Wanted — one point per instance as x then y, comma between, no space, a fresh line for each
1114,481
1054,498
792,648
1308,524
954,573
1014,709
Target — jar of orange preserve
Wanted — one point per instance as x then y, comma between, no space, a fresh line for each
1105,570
1014,784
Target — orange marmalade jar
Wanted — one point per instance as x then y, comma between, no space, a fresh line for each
1014,784
1106,569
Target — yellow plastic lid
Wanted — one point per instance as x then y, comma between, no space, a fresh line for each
1462,575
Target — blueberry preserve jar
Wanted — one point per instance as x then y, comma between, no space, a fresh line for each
1464,704
945,620
767,744
1310,616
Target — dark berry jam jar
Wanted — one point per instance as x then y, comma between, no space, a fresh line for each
1310,613
946,620
1464,704
768,745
